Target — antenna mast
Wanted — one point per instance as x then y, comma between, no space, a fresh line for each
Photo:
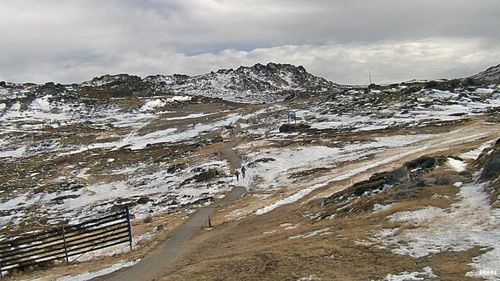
370,74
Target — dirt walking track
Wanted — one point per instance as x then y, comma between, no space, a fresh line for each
160,260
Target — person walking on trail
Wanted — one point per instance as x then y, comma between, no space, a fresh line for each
243,171
237,174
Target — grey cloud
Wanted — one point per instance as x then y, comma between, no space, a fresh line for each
71,41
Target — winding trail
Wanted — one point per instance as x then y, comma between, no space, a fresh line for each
155,264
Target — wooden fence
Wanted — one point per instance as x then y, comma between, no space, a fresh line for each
66,242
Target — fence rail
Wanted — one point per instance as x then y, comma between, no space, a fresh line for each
66,241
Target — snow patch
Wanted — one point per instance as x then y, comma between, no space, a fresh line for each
93,274
381,208
407,276
16,153
469,223
457,165
311,277
179,98
304,192
420,216
319,232
42,103
152,105
474,154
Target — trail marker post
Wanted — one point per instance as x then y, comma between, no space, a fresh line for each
292,116
129,227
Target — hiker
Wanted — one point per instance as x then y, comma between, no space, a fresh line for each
243,171
237,174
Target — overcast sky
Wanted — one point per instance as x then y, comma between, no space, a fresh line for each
74,41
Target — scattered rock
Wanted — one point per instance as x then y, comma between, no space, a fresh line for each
424,163
399,175
449,179
285,128
206,176
60,199
421,182
289,128
143,200
148,219
160,227
491,168
175,168
261,160
308,172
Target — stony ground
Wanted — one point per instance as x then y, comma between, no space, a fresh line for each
165,158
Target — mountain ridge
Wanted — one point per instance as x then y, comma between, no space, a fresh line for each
246,84
491,74
242,84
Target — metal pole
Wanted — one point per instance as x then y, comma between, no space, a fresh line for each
129,227
65,245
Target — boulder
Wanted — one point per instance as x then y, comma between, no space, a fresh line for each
397,176
261,160
285,128
207,175
449,179
491,168
424,163
143,200
175,168
160,227
421,182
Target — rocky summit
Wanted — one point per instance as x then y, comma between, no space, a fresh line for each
491,74
258,83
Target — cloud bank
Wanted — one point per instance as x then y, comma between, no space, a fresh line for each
73,41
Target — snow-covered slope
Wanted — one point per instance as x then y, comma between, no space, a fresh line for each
258,83
491,74
106,135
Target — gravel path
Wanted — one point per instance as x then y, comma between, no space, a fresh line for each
157,262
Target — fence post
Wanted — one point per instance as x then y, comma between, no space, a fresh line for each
129,227
1,275
65,245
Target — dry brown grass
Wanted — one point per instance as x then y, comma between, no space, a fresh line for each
257,248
